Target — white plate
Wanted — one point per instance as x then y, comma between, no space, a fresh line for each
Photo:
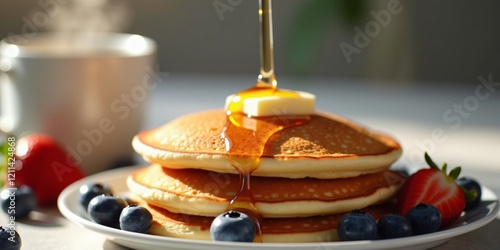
70,208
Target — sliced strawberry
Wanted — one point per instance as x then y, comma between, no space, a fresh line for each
44,166
433,186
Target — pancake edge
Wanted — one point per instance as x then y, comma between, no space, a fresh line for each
212,207
191,232
340,166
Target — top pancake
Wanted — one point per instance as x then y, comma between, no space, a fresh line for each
326,147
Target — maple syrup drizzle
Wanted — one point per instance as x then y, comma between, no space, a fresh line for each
266,76
245,136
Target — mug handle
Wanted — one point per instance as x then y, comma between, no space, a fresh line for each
6,68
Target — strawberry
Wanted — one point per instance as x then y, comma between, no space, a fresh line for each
436,187
44,166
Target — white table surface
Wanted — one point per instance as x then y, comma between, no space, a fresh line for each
408,112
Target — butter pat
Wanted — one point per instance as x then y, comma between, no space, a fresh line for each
302,103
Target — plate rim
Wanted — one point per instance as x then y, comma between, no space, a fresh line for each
155,240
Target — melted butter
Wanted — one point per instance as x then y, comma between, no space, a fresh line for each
245,139
261,89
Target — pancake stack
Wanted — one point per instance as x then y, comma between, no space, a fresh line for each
309,176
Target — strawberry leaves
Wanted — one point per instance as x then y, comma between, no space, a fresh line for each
454,173
3,159
431,163
6,156
470,195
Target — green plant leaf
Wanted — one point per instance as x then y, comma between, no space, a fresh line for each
306,38
307,32
351,12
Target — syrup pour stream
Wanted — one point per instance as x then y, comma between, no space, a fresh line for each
245,137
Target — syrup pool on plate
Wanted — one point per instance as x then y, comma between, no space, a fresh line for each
246,136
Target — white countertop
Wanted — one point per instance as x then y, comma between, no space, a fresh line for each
410,113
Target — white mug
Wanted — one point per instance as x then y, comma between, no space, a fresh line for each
88,92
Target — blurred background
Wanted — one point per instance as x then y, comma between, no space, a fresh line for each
450,42
426,72
409,68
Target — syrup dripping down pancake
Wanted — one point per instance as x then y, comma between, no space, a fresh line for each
205,193
303,229
325,147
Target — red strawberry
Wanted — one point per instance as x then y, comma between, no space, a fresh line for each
44,166
436,187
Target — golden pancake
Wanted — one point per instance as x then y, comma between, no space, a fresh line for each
204,193
325,147
304,229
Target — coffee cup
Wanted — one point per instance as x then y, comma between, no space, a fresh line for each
88,91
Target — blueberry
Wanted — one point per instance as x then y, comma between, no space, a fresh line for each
471,186
357,225
9,239
106,209
392,226
135,218
424,219
18,201
233,226
91,190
